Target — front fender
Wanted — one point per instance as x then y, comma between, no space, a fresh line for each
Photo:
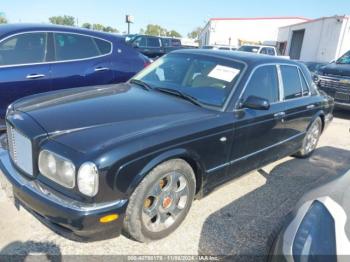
132,173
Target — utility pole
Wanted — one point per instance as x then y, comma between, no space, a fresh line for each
129,20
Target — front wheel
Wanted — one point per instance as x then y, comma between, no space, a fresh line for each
311,139
161,201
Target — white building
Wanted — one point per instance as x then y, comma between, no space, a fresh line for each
237,31
319,40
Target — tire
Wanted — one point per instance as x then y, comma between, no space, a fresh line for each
311,139
161,201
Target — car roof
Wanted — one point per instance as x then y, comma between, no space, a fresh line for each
9,29
251,59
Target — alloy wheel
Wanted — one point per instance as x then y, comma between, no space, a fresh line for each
312,137
165,202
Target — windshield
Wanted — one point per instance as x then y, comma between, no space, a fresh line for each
249,48
345,59
209,80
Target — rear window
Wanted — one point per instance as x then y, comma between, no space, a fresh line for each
304,84
73,46
248,48
291,82
175,42
103,46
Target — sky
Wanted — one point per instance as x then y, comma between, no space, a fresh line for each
180,15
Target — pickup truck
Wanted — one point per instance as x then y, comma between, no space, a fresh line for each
154,46
334,79
261,49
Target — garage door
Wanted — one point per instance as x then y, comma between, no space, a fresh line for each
296,44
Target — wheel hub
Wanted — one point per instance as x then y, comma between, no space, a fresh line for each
167,201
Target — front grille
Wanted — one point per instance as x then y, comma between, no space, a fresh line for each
20,148
335,83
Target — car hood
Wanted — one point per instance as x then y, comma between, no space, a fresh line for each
86,117
335,69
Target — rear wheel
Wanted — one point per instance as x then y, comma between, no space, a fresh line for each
311,139
161,201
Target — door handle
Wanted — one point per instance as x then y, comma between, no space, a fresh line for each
310,106
35,76
100,69
279,115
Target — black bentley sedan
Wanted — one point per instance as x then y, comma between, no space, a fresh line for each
94,161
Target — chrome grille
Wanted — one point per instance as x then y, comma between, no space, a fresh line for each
335,83
20,148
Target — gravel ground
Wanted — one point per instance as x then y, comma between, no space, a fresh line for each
237,219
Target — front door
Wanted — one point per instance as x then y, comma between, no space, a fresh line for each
23,67
258,134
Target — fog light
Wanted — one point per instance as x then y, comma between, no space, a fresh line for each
109,218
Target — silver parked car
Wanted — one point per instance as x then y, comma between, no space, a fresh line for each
318,229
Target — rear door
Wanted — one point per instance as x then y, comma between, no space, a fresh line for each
81,60
298,103
24,67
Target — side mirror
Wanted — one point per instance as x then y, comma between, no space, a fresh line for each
258,103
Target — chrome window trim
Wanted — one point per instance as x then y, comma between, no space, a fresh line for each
279,73
280,81
58,61
307,83
299,69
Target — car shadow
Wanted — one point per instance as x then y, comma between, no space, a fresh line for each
29,251
246,227
342,113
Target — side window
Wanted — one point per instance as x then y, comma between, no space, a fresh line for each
103,46
27,48
153,42
141,41
291,82
264,84
166,42
306,89
263,51
73,46
175,42
271,51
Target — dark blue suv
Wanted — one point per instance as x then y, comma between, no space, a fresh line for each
41,58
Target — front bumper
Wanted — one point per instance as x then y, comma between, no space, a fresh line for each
342,105
69,218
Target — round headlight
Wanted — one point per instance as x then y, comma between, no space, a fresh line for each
88,179
51,163
57,168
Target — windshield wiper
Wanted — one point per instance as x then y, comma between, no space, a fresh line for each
178,93
141,83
